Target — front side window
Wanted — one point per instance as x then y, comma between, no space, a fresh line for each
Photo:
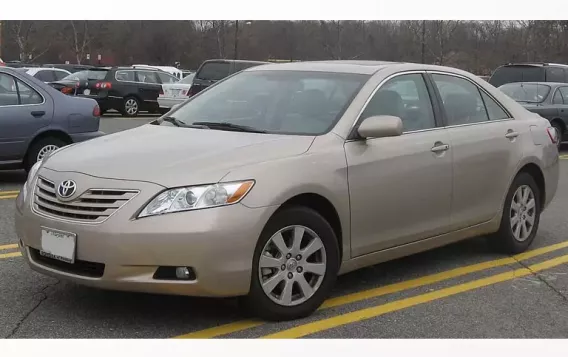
555,74
287,102
461,100
94,75
406,97
564,92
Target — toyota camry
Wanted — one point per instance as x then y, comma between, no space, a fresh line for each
269,184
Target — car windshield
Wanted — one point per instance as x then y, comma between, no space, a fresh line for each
282,102
213,71
86,75
526,92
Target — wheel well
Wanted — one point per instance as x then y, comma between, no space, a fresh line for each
560,123
538,177
322,206
49,134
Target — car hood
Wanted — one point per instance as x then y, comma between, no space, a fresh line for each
171,156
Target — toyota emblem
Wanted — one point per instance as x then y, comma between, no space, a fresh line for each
67,188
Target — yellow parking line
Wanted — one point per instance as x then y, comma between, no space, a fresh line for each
365,314
10,255
384,290
7,197
8,246
3,193
563,157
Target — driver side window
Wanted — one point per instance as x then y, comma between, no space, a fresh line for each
405,96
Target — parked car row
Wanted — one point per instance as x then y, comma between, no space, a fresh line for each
541,88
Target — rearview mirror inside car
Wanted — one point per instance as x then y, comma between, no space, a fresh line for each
380,126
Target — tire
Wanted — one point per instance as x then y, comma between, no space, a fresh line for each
559,131
258,302
46,145
504,240
130,107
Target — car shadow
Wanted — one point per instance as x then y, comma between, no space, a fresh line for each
13,177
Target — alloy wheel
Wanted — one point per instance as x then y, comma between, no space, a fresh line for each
131,106
292,265
522,213
46,150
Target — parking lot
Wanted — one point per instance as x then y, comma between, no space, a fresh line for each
459,291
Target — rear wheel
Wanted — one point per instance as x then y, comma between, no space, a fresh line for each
130,107
559,132
40,149
521,216
295,265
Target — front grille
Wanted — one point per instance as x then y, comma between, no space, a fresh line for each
80,267
93,206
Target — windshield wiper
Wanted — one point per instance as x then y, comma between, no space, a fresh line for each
229,126
180,123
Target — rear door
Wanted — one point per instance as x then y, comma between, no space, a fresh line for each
485,144
23,112
148,87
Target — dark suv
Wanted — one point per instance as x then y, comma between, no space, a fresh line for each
214,70
529,72
125,89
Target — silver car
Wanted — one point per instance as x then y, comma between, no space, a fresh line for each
272,182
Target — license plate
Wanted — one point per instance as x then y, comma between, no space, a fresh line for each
58,245
87,92
175,92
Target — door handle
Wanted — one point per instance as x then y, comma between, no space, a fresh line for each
440,147
38,113
511,134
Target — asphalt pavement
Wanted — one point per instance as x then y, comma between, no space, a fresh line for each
460,291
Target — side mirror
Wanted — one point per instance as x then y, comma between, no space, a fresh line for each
380,126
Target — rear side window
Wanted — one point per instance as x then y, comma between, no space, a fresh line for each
59,75
213,71
166,78
555,74
494,111
512,74
461,100
564,92
8,90
149,77
28,95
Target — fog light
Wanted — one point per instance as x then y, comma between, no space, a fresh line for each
183,273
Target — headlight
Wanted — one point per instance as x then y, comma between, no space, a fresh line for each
197,197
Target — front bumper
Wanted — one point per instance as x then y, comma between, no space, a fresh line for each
217,243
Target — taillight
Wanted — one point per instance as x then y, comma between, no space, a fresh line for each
103,85
192,91
552,134
188,92
66,90
161,90
77,84
97,111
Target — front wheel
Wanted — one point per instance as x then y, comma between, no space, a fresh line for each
521,216
295,265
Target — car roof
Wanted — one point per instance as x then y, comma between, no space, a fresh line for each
534,64
550,84
353,66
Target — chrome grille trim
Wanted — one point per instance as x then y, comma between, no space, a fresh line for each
94,206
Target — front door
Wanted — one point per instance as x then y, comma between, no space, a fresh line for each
400,187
